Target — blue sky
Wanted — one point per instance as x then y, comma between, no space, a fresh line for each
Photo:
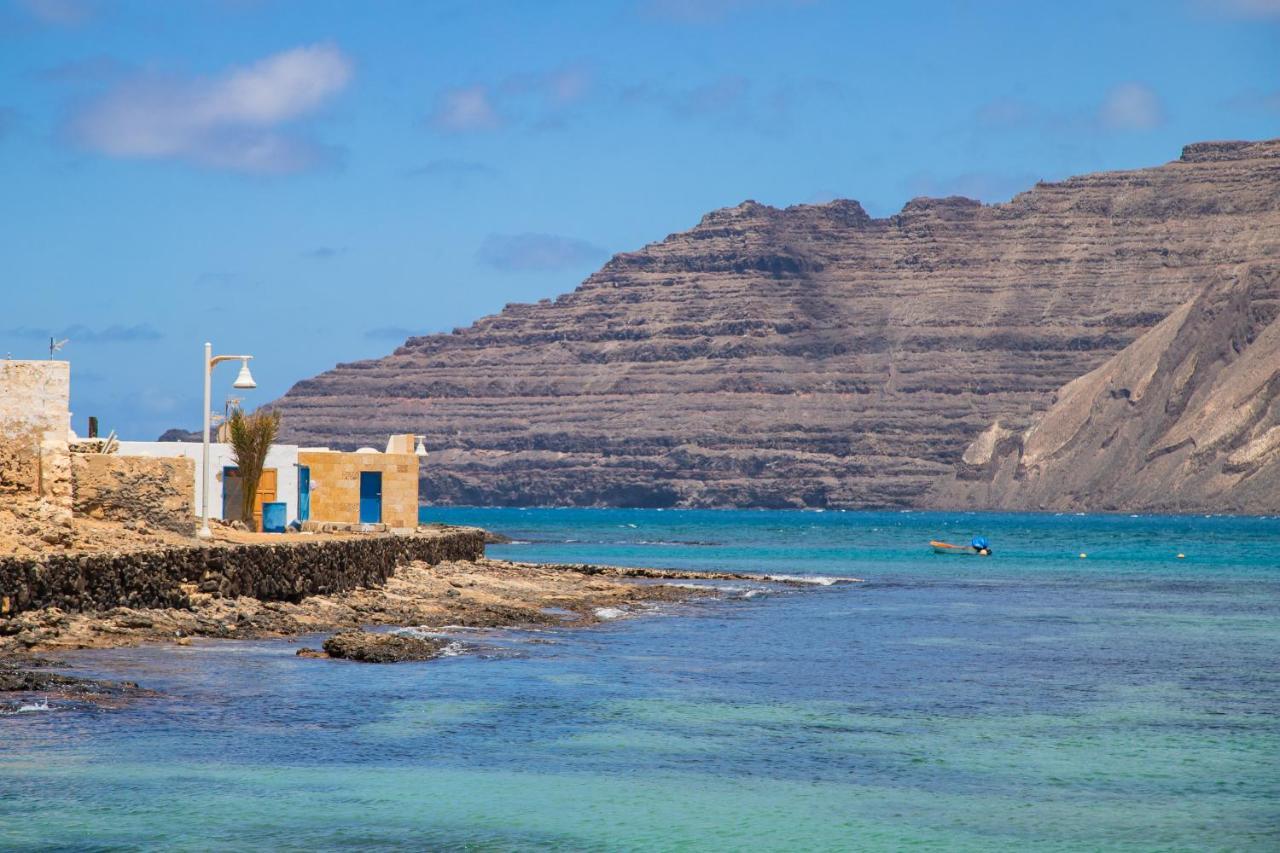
312,181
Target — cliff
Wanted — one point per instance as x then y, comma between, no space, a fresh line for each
1187,417
808,356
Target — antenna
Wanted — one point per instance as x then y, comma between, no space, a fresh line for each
55,345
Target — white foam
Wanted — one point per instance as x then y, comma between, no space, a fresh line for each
610,613
819,580
31,707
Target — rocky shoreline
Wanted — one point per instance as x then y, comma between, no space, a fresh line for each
476,594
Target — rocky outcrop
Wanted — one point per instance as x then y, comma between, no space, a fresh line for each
285,572
1186,418
808,356
369,647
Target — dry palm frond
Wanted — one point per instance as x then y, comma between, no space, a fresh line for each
251,439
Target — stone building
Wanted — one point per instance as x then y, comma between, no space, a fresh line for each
363,487
35,430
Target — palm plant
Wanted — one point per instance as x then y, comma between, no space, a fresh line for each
251,438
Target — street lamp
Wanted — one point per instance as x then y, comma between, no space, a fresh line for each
243,380
421,449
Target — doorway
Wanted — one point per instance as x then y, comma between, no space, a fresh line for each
370,497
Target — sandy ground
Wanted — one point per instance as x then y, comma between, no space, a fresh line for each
30,528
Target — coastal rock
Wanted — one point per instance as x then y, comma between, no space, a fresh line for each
366,647
27,675
812,356
1186,417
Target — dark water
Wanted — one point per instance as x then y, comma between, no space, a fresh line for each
1036,700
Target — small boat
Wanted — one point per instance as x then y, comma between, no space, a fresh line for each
978,548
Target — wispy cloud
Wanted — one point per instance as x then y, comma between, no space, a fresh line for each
986,186
1131,106
537,99
324,253
114,334
453,170
1255,100
1249,9
229,122
92,69
59,13
1006,113
735,100
394,333
465,109
710,11
537,252
1128,106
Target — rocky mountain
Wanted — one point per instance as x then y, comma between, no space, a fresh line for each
812,356
1187,417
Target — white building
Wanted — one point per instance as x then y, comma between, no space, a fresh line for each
279,475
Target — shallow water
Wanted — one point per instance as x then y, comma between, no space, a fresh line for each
1127,700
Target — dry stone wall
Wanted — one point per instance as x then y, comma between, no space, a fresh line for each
283,572
156,491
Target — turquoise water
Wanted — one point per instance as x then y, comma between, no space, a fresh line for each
1034,700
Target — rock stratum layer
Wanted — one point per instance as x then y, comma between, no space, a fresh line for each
1185,417
812,356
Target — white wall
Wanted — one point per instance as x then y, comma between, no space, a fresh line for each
282,457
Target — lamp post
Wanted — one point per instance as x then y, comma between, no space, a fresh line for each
243,380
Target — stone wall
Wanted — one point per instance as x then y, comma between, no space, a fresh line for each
283,572
35,420
134,488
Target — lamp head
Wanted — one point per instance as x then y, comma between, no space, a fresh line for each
244,379
421,449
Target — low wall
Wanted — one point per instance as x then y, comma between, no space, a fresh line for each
134,488
284,572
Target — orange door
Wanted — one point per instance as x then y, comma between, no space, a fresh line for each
266,493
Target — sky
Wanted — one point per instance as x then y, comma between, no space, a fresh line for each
311,182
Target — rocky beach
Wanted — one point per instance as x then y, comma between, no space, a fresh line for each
427,596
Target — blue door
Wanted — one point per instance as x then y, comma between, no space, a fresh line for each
304,492
370,497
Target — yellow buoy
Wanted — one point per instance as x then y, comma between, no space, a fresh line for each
1082,556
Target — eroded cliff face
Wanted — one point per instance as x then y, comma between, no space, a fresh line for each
1186,418
807,356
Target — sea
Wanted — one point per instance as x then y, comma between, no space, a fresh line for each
1098,683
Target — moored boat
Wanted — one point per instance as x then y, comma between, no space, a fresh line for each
978,548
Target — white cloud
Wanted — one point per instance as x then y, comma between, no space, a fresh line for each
1131,106
464,109
227,122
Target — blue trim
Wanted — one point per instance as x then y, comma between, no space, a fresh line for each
304,492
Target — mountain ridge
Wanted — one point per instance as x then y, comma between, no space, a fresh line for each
805,356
